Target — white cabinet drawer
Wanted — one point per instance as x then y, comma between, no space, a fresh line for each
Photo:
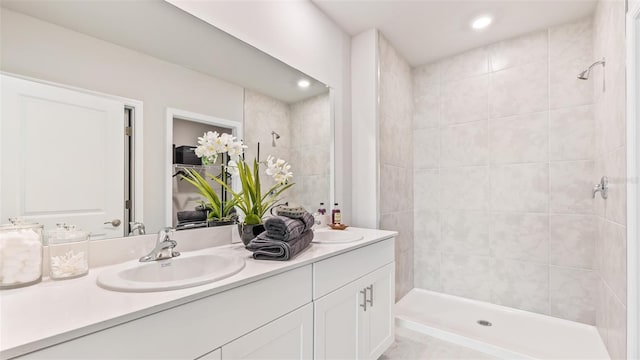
342,269
191,330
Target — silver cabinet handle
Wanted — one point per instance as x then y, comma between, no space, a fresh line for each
114,222
364,301
370,301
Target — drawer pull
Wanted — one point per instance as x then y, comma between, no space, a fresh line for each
370,300
364,301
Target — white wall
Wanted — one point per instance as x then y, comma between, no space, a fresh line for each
31,47
299,34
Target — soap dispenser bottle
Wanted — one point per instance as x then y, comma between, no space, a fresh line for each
320,216
336,217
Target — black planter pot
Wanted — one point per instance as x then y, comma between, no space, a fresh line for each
249,232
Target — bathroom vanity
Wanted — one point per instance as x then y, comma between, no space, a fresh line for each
331,301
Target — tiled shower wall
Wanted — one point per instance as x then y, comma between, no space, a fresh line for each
396,159
504,165
609,42
310,139
304,129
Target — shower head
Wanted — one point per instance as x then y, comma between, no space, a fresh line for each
274,136
585,74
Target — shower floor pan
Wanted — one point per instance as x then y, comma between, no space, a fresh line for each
497,330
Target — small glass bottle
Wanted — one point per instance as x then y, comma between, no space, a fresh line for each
320,216
68,252
336,217
20,254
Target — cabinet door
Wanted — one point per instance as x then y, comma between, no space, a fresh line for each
379,332
289,337
338,320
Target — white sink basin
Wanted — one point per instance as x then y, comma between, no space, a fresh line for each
335,236
177,273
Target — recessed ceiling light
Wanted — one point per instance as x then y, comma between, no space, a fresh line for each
481,22
304,83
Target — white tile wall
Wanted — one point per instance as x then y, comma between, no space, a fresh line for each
610,122
397,121
504,163
304,142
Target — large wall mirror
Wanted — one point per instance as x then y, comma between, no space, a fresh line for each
96,95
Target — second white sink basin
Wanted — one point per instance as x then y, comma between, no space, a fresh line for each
177,273
335,236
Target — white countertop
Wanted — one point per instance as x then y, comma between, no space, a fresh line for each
51,312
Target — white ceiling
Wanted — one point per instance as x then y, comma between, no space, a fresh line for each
427,30
163,31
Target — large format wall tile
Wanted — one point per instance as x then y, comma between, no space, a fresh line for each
427,270
571,40
614,262
464,232
426,189
616,204
426,108
425,77
522,187
616,314
570,52
572,294
466,275
565,89
570,185
519,90
426,148
519,139
426,224
572,240
520,236
470,63
464,145
396,189
520,284
519,51
464,100
571,133
465,188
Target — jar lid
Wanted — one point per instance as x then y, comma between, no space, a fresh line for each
64,233
19,223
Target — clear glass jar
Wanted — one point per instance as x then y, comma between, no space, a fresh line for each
68,252
20,254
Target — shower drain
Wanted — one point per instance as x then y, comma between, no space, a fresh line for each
484,322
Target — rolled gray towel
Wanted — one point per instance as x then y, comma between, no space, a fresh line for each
285,228
265,248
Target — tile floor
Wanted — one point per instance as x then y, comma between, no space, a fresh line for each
412,345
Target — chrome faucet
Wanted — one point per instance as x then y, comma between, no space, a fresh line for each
164,247
136,228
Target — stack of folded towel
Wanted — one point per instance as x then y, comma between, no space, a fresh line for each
284,237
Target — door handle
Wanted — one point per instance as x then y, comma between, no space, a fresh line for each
364,301
370,301
114,222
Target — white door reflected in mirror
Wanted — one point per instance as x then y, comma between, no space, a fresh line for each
62,157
